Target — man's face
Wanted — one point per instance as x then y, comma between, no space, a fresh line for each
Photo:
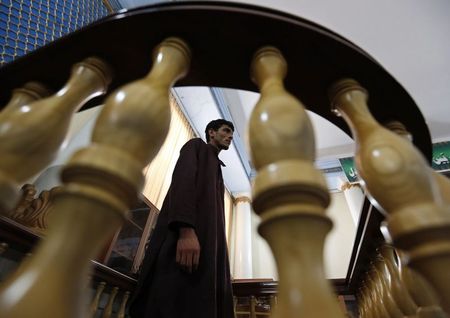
221,138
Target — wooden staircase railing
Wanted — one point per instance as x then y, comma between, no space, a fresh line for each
101,181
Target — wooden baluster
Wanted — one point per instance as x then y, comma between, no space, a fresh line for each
341,301
96,300
100,184
252,307
107,311
420,290
442,181
3,247
289,194
398,291
363,306
378,294
397,176
371,299
31,134
388,300
25,95
360,304
123,305
273,303
417,286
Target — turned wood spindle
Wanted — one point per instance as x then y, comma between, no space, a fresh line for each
107,311
123,305
30,92
386,263
375,310
101,183
417,286
361,304
252,306
273,303
442,181
96,300
382,277
420,290
381,300
3,247
398,178
289,194
32,132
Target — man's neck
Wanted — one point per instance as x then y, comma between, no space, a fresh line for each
215,146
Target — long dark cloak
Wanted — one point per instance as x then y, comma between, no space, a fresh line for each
195,199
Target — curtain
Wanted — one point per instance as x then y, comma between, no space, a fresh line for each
158,174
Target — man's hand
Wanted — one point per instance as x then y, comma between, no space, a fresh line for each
188,249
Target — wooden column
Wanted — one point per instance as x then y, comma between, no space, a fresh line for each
100,184
289,194
398,178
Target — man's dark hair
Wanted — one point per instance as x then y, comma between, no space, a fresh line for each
215,125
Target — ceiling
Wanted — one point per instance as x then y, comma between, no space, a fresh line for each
409,38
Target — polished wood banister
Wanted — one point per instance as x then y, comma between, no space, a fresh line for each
313,66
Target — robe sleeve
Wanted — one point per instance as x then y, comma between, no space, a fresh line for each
183,192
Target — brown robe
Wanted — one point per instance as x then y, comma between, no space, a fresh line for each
195,198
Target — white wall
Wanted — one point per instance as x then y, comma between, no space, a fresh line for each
339,242
263,262
338,245
78,136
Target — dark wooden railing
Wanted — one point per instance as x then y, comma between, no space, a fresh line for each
20,239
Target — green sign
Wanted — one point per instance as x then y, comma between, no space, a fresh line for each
348,165
441,156
440,161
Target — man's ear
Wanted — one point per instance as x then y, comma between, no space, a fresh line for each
210,132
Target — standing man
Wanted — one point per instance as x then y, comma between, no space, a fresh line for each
185,273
